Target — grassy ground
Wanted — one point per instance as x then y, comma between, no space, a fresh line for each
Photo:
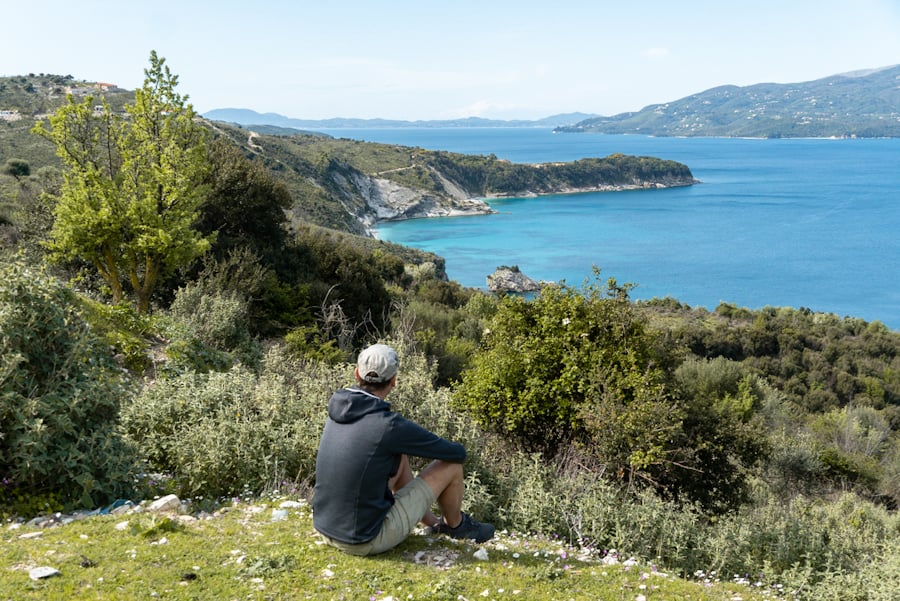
252,550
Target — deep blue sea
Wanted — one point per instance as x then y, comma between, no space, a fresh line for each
800,223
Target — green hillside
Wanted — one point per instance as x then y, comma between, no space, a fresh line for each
329,178
23,99
863,104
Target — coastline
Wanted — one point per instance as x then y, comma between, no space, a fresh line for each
481,205
593,189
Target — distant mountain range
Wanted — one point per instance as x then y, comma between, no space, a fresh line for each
251,117
858,104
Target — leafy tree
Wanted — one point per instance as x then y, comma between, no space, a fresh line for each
246,204
17,168
132,187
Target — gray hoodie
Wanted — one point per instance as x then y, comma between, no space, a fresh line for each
360,449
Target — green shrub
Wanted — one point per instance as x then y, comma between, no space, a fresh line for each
442,331
874,580
580,369
850,468
527,494
551,363
185,354
345,278
214,311
224,433
59,398
801,543
208,331
605,516
794,465
310,343
721,434
217,319
125,330
889,486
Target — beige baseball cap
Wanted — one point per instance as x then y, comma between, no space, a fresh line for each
377,364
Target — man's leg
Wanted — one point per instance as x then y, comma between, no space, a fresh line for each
446,481
402,478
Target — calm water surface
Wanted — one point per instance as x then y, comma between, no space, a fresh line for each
799,223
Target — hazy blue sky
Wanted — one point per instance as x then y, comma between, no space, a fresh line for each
456,58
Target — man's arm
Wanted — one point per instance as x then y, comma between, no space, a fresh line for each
410,438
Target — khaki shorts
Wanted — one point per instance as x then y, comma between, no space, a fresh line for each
410,504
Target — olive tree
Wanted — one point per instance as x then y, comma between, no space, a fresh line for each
132,185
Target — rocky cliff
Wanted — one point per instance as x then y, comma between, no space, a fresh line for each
380,198
385,200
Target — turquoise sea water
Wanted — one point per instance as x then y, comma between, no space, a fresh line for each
799,223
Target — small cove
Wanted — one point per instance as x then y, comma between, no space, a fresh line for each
799,223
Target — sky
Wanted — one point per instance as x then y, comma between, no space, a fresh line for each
424,59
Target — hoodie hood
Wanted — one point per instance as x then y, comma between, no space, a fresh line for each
351,404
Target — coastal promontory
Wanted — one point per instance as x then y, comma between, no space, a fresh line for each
364,183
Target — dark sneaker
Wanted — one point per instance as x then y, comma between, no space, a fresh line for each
468,529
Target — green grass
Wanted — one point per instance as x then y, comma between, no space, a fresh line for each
240,552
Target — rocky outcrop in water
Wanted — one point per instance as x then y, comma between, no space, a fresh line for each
510,279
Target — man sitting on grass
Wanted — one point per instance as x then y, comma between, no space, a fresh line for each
366,499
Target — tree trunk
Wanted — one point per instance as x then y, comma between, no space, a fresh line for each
110,273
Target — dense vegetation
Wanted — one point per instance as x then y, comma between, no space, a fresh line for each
762,443
489,176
